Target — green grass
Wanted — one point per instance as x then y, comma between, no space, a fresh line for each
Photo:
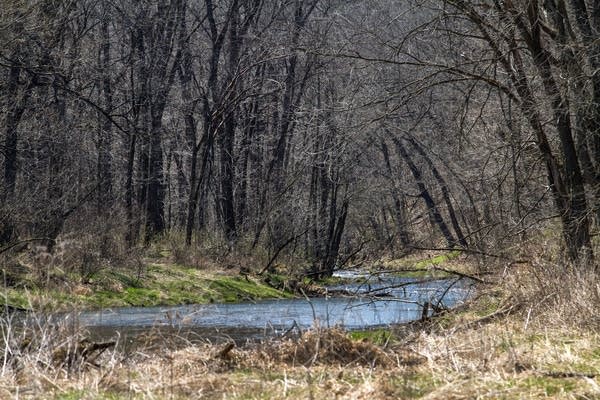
228,289
102,395
547,385
159,284
418,267
437,260
412,385
375,336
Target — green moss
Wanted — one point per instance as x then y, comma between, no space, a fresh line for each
415,267
141,296
16,298
229,289
125,279
438,260
275,280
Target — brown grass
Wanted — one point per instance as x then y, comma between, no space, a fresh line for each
498,360
328,347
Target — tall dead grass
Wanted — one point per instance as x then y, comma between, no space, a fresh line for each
555,294
40,351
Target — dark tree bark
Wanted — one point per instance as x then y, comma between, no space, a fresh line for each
574,211
444,187
400,215
432,207
155,197
131,234
164,56
17,99
565,180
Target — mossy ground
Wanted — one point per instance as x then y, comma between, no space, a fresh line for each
158,284
161,280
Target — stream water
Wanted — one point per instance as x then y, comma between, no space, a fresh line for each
374,302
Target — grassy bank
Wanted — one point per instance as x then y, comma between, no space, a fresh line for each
428,264
498,359
156,284
530,332
159,278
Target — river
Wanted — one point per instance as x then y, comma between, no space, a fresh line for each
374,301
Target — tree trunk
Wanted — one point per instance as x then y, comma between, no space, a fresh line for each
445,192
16,107
131,235
432,208
574,211
155,200
400,216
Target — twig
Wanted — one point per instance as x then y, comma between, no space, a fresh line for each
461,274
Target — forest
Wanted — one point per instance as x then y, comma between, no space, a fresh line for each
322,129
312,135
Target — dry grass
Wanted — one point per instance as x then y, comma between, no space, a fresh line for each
534,335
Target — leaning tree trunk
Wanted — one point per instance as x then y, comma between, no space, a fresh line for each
445,192
432,207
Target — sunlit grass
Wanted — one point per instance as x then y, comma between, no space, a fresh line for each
160,284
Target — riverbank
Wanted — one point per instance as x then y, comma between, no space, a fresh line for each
156,284
517,338
530,332
160,280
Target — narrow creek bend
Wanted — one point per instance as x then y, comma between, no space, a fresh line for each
370,303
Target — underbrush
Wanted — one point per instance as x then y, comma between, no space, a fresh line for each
554,294
210,252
